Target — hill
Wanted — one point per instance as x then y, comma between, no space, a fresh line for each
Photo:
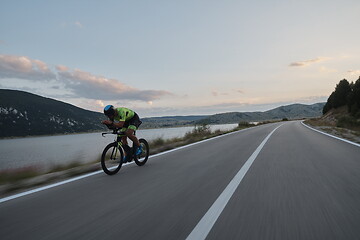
294,111
23,114
171,121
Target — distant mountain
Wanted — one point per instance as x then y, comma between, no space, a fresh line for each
23,114
294,111
26,114
171,121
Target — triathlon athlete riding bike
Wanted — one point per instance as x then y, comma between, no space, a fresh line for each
120,152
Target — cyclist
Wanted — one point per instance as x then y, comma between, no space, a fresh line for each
128,121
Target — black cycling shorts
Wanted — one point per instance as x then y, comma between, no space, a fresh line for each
133,123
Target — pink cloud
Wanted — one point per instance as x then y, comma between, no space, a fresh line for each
24,68
98,87
308,62
80,83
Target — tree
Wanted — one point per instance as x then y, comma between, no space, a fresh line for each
329,103
339,97
354,98
342,91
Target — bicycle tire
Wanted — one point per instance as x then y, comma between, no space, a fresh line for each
110,163
143,157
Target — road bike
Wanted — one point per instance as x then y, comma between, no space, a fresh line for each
113,154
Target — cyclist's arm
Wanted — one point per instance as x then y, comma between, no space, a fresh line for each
114,124
119,124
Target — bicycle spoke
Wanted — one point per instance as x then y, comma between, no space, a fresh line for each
111,159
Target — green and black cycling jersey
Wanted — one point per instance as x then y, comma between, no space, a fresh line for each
124,114
131,119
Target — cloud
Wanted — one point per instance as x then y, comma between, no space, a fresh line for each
308,62
198,109
72,24
62,68
89,104
24,68
78,24
354,72
239,91
78,82
216,93
87,85
310,99
99,103
327,70
247,105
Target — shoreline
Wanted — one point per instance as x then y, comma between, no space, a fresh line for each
100,131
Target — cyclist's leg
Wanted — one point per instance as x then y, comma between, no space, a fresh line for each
130,134
124,129
132,125
124,140
126,147
137,147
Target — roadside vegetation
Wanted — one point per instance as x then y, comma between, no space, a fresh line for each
200,132
341,113
32,176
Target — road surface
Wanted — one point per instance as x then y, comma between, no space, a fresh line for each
276,181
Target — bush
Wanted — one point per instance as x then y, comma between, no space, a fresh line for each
158,142
245,124
58,168
17,175
198,131
348,122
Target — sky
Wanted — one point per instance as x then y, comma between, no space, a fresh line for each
184,57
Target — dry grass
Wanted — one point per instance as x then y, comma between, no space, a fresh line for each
333,128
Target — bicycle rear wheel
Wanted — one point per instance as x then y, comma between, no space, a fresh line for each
111,158
143,157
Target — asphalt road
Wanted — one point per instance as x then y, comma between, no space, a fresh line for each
301,185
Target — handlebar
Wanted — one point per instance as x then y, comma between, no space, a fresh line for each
115,131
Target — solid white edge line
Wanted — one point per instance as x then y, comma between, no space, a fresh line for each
47,187
329,135
5,199
206,223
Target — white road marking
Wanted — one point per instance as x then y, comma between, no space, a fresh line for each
97,172
203,228
327,134
47,187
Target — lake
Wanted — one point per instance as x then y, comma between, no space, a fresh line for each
49,151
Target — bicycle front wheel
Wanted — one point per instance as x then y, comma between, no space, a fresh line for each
111,158
143,157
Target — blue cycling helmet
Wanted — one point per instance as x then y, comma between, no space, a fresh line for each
109,110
